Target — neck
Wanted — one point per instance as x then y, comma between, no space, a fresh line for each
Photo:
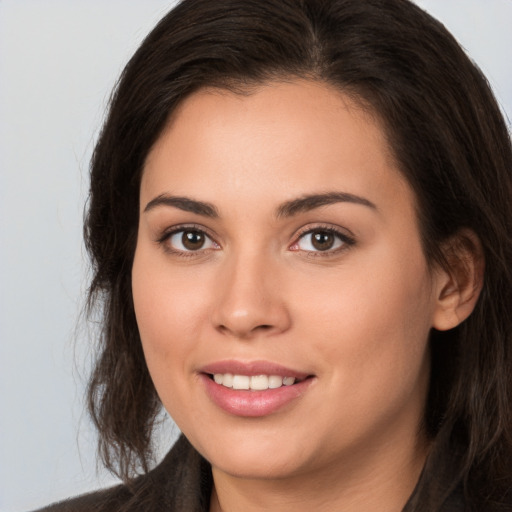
378,480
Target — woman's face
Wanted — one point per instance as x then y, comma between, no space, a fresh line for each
278,241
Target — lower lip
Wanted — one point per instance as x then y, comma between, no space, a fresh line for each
253,403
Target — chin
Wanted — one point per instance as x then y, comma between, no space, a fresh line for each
254,456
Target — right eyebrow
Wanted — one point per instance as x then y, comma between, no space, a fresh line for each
186,204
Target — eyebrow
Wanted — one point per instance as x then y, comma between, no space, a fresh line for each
310,202
183,203
287,209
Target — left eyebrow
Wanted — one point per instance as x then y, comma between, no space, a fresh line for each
310,202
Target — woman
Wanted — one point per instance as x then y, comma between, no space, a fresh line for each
299,222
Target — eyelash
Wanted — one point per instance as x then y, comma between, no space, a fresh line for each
346,240
168,234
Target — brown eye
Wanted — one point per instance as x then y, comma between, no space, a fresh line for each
192,240
322,240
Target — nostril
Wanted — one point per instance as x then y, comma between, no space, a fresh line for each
262,327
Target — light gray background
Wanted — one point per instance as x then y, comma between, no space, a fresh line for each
58,62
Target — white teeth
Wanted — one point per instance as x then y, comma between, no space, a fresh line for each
255,382
274,381
241,382
259,382
227,380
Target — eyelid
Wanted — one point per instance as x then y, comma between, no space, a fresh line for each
172,230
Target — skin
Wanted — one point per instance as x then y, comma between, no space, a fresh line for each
356,318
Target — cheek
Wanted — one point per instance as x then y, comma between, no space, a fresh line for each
169,307
371,346
373,321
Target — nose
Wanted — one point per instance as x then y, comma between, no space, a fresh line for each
250,301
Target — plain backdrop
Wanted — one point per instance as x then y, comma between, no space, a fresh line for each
58,62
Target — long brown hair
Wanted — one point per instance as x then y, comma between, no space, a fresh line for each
449,139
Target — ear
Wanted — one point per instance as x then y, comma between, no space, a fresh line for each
459,283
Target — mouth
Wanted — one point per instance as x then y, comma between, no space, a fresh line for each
254,389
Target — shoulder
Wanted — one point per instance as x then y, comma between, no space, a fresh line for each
108,499
182,481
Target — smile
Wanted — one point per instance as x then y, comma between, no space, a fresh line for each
253,389
252,382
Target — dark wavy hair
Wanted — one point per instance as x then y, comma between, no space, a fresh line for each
450,142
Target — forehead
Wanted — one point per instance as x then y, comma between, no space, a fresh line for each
293,137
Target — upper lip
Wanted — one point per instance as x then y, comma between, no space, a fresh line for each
250,368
